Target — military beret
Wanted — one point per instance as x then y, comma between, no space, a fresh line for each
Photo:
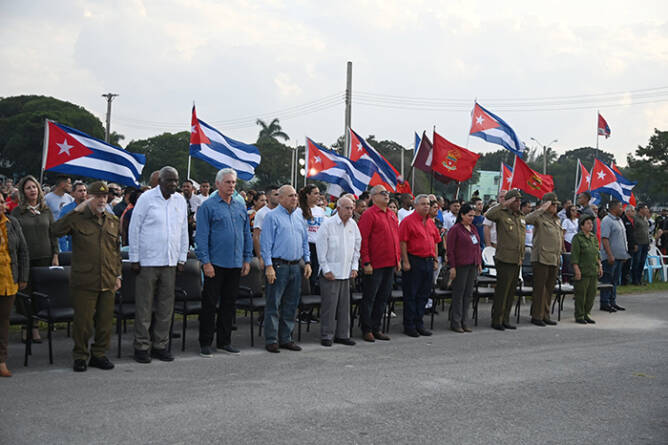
514,193
584,217
551,196
98,188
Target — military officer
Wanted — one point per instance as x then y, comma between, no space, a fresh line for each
510,233
548,240
95,276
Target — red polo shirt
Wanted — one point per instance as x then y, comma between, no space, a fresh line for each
420,235
380,238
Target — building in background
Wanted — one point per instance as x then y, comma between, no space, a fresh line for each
487,185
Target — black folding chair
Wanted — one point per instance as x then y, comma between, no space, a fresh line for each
124,307
22,316
188,299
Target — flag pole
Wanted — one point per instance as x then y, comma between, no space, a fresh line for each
500,177
597,135
306,161
468,133
44,150
189,159
575,188
457,192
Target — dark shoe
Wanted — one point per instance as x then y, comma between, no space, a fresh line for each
368,336
589,320
509,326
538,322
80,365
467,329
381,336
176,335
498,327
345,341
618,307
608,308
101,363
292,346
424,332
162,354
580,321
142,356
326,342
457,329
549,322
229,348
411,333
205,351
272,348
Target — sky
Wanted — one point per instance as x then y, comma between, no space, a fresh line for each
544,67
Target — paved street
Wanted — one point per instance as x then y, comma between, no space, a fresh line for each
606,383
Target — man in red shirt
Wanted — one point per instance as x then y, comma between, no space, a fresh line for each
380,257
418,238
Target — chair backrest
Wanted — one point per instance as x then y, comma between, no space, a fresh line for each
128,284
488,260
54,282
526,270
190,280
255,278
65,258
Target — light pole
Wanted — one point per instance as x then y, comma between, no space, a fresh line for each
545,147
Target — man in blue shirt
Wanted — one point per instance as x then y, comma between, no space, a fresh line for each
79,193
283,242
224,247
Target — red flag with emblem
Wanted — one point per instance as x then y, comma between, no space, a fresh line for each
530,181
452,160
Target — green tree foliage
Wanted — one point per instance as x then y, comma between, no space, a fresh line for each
22,130
649,166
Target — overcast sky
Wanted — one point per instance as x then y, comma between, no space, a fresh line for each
416,64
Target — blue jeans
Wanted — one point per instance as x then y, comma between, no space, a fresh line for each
282,302
611,275
638,263
416,284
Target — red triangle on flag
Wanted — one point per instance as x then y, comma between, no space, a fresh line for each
481,121
62,147
197,136
317,160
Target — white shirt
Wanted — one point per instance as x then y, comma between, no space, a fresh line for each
338,247
56,202
158,233
259,217
403,213
492,229
314,224
195,201
571,228
449,220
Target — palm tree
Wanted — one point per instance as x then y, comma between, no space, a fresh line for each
271,132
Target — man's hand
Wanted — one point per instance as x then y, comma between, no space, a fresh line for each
82,206
353,274
576,272
406,265
453,274
611,260
635,248
329,276
600,270
54,260
209,271
245,269
546,205
136,267
479,268
507,202
118,284
435,264
368,270
180,267
270,273
307,271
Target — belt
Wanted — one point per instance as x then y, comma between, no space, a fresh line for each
426,258
282,261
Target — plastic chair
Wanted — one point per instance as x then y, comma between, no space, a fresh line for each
654,262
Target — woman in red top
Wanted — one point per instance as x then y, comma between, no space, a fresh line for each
464,259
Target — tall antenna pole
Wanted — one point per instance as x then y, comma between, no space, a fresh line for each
349,96
107,132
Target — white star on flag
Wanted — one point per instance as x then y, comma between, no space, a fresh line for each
193,129
509,179
359,147
65,147
601,175
317,159
479,120
588,179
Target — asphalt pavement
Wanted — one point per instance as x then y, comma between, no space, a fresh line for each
604,383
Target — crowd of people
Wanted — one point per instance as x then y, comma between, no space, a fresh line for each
370,241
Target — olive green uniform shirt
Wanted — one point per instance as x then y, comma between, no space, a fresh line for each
510,234
585,253
96,255
548,237
641,230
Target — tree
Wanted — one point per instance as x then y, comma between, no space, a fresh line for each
270,132
649,166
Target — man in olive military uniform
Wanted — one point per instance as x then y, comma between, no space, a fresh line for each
548,240
510,234
95,276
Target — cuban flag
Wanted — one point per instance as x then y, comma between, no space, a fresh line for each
506,177
603,127
585,179
211,146
73,152
605,180
328,166
368,159
493,129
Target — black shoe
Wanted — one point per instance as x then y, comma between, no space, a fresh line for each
589,320
549,322
162,354
618,307
176,335
412,333
498,327
326,342
205,351
101,363
229,348
381,336
424,332
608,308
509,326
142,356
292,346
580,321
272,348
80,365
345,341
538,322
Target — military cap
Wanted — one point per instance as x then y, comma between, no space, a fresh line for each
514,193
584,217
98,188
551,196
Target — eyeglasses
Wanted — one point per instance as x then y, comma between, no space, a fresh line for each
384,193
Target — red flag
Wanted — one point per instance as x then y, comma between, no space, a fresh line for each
632,199
317,160
602,128
585,180
601,175
197,136
451,160
404,187
530,181
506,177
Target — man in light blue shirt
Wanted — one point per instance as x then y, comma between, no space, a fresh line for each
224,247
283,242
613,255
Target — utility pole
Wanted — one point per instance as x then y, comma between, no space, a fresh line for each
545,148
349,95
107,132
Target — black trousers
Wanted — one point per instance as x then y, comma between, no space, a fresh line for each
314,282
376,290
221,290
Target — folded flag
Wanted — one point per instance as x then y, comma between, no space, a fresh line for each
368,159
530,181
211,146
606,180
585,179
424,151
452,160
493,129
73,152
506,177
603,128
328,166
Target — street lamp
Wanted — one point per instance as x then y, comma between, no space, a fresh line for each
545,147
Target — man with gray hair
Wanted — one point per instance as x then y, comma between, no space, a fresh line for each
158,240
338,246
